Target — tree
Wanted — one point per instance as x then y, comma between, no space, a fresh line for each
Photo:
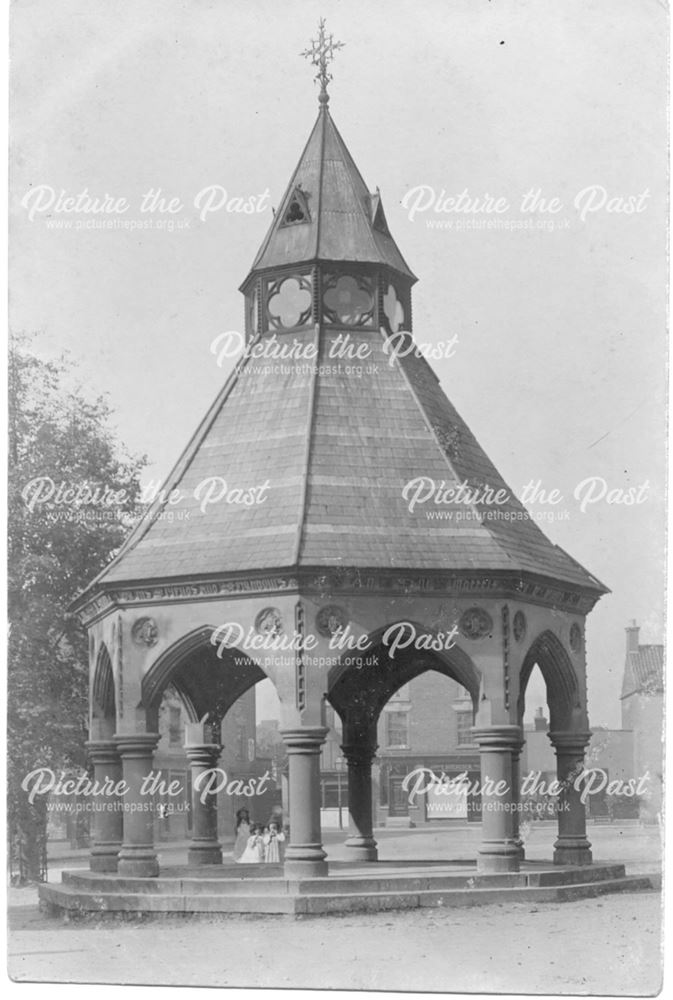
58,541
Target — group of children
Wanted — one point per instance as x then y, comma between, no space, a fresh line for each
255,843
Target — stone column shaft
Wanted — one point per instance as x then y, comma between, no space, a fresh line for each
137,856
360,841
516,791
571,846
304,855
499,851
205,848
107,818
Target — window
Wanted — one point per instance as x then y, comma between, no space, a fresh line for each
393,310
397,729
464,720
297,209
402,694
241,744
289,302
174,725
348,301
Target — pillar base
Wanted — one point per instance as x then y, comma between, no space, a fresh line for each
139,864
578,853
207,853
305,869
362,849
104,858
501,858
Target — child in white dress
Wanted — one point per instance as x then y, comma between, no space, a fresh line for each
254,850
272,837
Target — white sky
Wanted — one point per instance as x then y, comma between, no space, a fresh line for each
560,364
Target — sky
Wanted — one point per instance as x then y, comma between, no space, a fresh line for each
559,364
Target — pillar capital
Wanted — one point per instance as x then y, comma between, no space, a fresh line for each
308,739
565,741
498,738
102,751
359,754
205,754
136,745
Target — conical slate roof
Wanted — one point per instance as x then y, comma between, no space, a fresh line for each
334,448
342,212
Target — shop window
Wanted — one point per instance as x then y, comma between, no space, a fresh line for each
464,720
397,724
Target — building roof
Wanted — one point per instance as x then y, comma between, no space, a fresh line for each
644,671
335,449
346,222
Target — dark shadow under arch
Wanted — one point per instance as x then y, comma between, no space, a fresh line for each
208,684
103,699
360,685
563,692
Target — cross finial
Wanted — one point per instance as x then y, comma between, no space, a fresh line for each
321,54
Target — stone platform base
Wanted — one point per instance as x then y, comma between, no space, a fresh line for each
348,888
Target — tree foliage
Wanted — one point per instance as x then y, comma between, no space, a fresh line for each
55,434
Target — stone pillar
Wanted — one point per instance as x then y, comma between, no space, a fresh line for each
205,848
572,846
137,856
304,856
499,851
516,787
360,840
108,818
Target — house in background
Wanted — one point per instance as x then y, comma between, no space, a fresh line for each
643,712
426,724
239,759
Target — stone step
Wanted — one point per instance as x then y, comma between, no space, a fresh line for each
69,900
373,902
171,885
216,883
66,899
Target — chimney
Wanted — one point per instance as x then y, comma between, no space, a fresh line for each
541,724
632,632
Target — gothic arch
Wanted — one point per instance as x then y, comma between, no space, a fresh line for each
208,684
359,688
563,690
103,699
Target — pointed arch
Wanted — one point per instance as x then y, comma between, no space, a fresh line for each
207,683
363,683
297,210
103,697
563,690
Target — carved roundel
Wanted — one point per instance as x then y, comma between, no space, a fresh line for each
269,622
519,626
575,638
145,632
330,620
475,623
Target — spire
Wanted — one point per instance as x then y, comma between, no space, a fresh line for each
321,54
327,212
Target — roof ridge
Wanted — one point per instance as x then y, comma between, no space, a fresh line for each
307,452
433,431
286,194
178,470
352,167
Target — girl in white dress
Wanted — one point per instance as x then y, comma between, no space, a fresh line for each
254,851
242,833
272,837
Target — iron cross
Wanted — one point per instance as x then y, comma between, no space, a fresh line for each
321,54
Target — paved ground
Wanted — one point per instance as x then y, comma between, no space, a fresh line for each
609,945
